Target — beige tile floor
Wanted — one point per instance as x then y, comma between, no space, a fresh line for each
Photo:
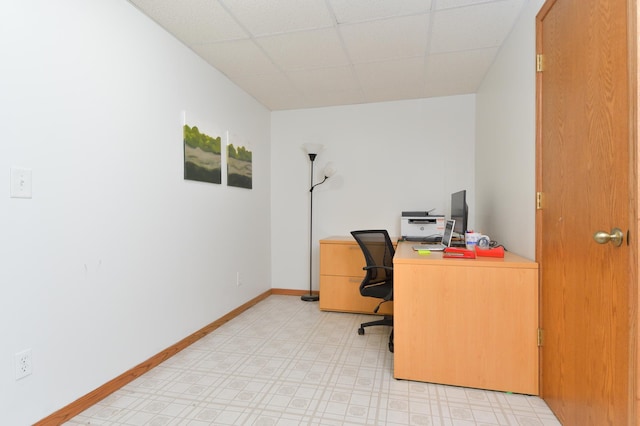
283,362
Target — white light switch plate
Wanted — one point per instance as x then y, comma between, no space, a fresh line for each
20,183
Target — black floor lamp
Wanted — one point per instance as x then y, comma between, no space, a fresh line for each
312,151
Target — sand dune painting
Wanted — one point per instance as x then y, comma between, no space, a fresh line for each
239,163
202,155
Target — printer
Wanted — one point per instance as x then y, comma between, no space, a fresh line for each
421,226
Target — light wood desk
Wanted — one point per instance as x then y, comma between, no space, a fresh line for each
466,322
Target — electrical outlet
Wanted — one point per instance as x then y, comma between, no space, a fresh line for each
24,364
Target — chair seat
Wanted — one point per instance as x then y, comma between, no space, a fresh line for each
378,291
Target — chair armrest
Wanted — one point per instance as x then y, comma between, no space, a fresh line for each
388,268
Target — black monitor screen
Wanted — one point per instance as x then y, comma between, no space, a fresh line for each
459,211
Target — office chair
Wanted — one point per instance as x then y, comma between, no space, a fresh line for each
378,251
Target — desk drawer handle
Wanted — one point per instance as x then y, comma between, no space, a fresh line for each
355,280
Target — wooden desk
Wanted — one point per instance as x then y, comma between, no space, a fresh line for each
341,263
466,322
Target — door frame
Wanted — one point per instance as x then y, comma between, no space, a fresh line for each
633,47
633,236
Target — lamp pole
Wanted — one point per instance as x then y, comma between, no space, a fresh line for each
311,297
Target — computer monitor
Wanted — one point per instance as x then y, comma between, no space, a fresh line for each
459,211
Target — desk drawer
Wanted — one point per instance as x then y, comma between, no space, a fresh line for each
341,259
343,294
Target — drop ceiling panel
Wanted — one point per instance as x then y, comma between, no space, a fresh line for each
349,97
393,80
263,17
334,85
323,80
395,74
307,49
320,85
387,39
193,21
351,11
473,27
272,88
236,57
458,72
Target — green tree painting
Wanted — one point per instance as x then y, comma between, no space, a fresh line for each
202,156
239,167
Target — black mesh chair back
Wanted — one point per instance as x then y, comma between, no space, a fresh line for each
378,252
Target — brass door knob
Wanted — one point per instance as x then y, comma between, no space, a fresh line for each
615,238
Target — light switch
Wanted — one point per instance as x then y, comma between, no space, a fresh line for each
20,183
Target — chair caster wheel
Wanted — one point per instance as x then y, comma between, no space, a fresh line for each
361,331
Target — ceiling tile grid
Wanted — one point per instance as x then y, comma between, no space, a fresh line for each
266,17
291,54
306,50
353,11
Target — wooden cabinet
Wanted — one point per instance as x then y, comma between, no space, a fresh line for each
341,263
466,322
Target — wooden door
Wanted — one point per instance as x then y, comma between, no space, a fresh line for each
583,166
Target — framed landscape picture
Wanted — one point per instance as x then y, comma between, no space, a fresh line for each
202,153
239,163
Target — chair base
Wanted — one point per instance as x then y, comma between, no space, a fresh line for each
387,320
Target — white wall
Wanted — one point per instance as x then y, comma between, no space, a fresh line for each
382,152
505,141
115,257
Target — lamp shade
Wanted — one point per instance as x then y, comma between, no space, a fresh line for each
312,148
329,170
